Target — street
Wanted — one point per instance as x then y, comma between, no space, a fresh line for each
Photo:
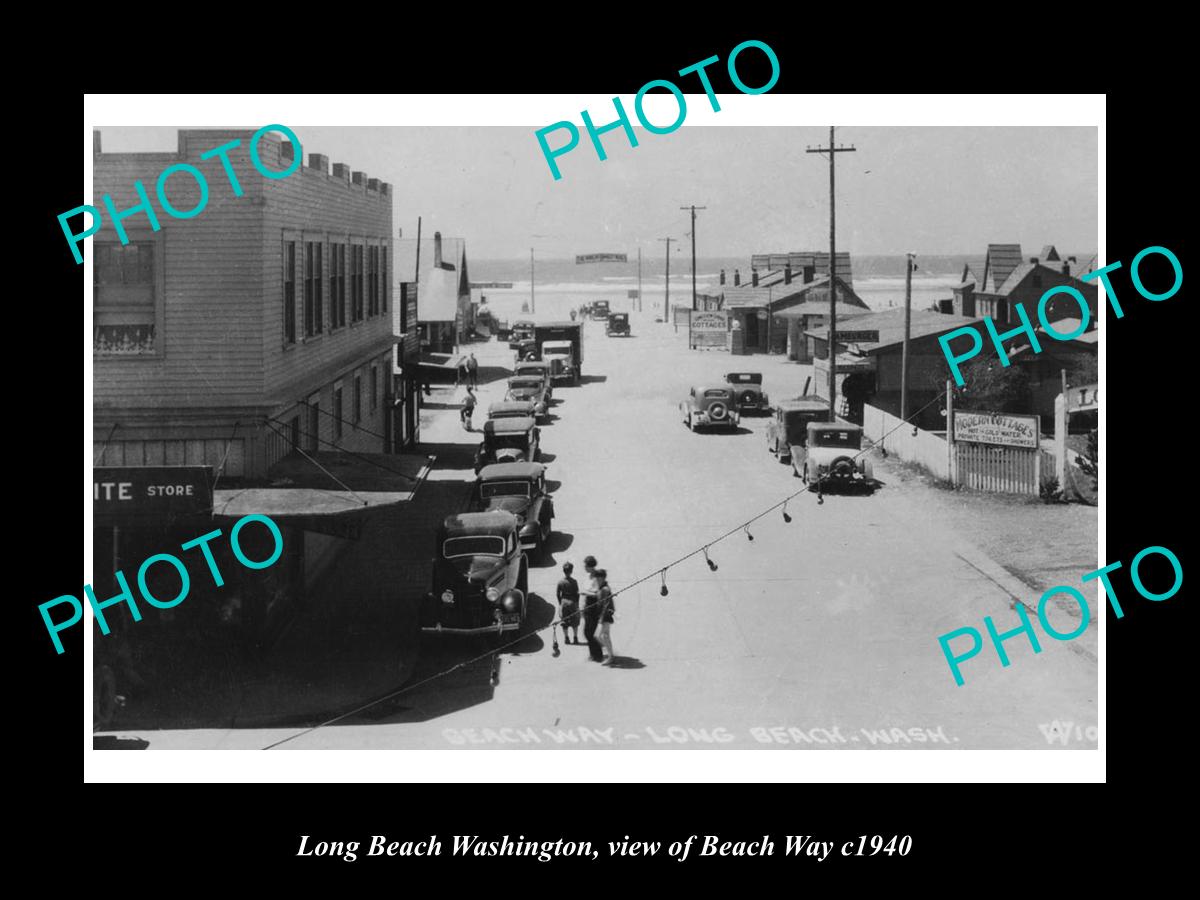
818,633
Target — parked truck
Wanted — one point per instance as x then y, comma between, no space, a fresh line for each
565,340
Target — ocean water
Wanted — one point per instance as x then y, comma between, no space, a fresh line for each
561,285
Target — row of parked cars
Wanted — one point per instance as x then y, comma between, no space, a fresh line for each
481,565
802,432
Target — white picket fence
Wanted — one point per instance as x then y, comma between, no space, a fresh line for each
924,447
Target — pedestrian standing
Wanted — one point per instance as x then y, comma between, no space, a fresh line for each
468,409
568,605
591,621
473,371
604,602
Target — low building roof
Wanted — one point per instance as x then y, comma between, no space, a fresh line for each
799,404
518,470
820,308
788,294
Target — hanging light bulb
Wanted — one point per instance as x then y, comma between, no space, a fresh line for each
712,566
786,517
749,536
663,590
914,434
820,499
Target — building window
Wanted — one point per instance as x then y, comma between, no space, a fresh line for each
384,286
313,312
357,398
314,423
125,293
337,411
356,283
372,281
374,388
289,292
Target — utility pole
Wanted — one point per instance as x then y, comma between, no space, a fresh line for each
639,303
832,151
909,265
667,298
693,209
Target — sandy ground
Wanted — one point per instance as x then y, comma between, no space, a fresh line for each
820,633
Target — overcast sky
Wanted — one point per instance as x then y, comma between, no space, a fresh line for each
926,189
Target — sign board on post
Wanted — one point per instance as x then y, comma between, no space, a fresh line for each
120,492
600,257
999,429
632,294
709,328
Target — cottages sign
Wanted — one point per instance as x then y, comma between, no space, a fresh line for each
999,429
709,328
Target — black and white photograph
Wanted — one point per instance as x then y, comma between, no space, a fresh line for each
463,438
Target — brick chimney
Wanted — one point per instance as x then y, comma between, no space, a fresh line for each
787,274
737,277
342,171
753,277
1034,260
1067,263
437,249
722,276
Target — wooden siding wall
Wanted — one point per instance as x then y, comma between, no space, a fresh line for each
209,350
310,205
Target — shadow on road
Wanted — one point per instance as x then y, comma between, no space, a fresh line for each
592,379
626,662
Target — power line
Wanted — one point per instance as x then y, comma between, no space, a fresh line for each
365,459
314,462
656,573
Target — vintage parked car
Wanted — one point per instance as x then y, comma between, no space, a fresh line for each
522,331
709,407
518,488
599,309
536,367
748,388
480,576
531,388
829,461
508,440
789,427
618,323
512,409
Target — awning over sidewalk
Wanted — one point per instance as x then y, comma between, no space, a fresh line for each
328,492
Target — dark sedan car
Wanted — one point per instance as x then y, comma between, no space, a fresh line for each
532,388
480,576
508,440
518,488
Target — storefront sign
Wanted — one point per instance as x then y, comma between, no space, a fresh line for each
858,337
600,257
1000,429
710,328
151,491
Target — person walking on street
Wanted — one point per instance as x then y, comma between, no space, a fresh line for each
604,603
568,605
472,371
468,409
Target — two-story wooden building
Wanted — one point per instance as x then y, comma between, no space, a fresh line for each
254,339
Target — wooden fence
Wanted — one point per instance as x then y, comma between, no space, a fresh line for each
1008,470
982,467
926,448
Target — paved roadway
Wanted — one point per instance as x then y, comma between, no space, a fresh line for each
821,633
